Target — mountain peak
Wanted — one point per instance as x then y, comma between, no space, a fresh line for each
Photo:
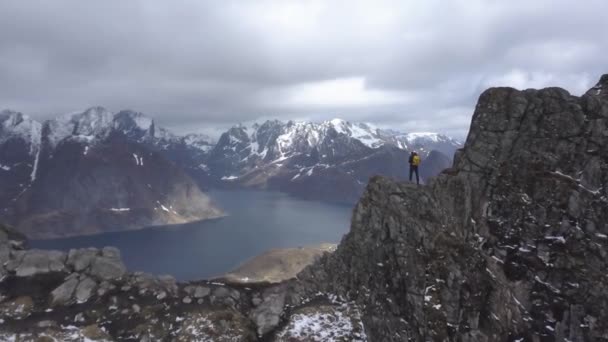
10,117
96,110
338,121
127,120
16,124
601,88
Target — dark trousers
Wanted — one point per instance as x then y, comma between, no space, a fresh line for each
414,168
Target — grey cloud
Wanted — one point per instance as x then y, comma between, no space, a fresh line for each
200,64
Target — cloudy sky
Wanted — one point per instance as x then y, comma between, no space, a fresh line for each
194,64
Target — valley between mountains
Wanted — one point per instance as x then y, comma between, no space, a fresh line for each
97,171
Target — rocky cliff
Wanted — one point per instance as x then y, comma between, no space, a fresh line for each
508,245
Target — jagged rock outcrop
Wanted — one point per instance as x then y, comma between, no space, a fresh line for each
508,245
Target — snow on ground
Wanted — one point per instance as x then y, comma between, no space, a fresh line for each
230,177
199,141
143,122
422,135
325,323
120,209
63,334
559,239
35,147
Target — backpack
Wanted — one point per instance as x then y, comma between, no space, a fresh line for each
416,160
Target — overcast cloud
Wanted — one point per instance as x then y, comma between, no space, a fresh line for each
192,65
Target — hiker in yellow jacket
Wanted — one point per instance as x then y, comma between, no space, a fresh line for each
414,162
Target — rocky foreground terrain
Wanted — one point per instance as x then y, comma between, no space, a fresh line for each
510,244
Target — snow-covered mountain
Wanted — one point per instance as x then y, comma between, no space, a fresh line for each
276,141
314,160
91,172
20,141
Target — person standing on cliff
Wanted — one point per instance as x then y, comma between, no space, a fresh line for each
414,162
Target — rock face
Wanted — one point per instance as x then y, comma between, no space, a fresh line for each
92,172
509,244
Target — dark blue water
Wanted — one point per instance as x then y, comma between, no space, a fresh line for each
256,221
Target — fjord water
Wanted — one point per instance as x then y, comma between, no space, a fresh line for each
256,221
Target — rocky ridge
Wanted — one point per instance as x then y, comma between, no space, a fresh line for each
508,245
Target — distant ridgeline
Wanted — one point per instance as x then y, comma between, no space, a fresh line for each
510,244
91,172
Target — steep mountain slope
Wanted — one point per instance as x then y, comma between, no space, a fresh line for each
91,172
20,139
508,245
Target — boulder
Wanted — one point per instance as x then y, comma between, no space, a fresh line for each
39,262
267,315
63,294
85,289
111,252
107,268
201,292
81,259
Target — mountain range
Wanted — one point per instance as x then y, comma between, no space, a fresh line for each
329,161
96,171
